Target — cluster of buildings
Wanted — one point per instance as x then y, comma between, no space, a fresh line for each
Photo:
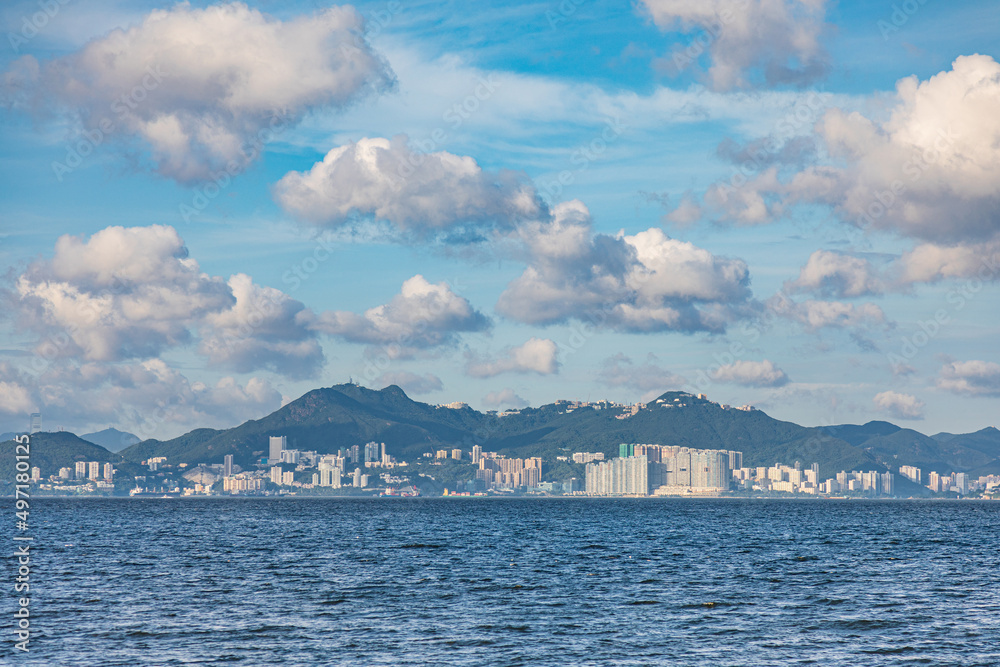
641,470
83,477
956,482
793,479
496,472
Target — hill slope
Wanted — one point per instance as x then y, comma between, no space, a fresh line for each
111,439
337,417
51,451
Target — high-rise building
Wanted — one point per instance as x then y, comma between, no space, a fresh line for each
35,423
356,481
888,483
372,453
277,444
287,478
911,473
227,466
354,453
36,474
109,472
961,483
735,460
625,450
934,481
65,473
456,454
441,454
276,475
623,476
477,453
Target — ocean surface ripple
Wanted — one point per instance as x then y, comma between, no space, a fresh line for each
513,582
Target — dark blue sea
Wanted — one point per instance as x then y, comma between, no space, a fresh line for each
510,582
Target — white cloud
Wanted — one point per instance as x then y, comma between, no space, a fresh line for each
642,283
930,170
195,86
750,41
411,383
386,180
621,371
133,293
972,378
264,329
900,406
423,315
123,293
837,275
15,399
752,374
536,355
931,262
504,398
149,398
815,315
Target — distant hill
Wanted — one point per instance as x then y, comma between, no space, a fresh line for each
945,452
337,417
111,439
51,451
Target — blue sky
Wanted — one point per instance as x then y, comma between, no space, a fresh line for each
505,204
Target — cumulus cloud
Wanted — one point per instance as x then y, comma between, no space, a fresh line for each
149,398
686,213
837,275
504,398
134,293
196,87
264,329
929,170
972,378
123,293
900,406
411,383
750,43
931,262
15,399
642,283
815,315
423,315
386,180
751,374
536,355
621,371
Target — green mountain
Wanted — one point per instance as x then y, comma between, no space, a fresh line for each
51,451
337,417
893,446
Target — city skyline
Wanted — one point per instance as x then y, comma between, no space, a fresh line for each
792,206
